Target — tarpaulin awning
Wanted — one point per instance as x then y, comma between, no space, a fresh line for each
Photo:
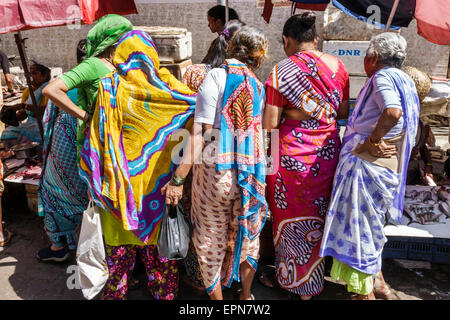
366,10
433,20
316,5
433,16
20,15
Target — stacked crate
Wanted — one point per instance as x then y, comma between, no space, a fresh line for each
174,46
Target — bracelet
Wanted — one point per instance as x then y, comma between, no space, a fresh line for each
176,180
88,120
375,144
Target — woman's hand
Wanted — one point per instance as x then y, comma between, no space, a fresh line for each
380,150
57,92
173,193
90,196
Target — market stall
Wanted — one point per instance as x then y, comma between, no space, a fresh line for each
25,165
424,233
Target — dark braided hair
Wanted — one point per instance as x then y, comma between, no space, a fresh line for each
81,50
249,45
218,51
301,27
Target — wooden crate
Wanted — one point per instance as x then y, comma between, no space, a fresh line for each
177,69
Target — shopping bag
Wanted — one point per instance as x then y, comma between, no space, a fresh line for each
175,233
92,267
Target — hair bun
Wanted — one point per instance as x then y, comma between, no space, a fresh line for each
308,18
400,55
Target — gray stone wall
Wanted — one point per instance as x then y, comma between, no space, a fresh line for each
55,47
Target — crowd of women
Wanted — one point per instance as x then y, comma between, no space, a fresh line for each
107,138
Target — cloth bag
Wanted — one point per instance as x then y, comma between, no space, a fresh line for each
175,233
91,258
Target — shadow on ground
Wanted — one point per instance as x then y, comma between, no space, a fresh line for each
23,277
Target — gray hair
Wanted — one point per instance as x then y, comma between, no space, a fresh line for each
391,48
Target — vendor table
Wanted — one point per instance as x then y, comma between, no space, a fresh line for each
415,241
31,185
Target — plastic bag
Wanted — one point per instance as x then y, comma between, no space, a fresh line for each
175,233
91,259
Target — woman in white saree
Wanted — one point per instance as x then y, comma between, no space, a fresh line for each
369,183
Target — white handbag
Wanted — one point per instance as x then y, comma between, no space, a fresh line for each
91,260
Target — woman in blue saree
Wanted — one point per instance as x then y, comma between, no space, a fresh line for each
369,183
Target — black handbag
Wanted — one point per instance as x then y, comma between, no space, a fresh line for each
175,233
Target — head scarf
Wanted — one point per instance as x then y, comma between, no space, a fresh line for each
107,32
126,158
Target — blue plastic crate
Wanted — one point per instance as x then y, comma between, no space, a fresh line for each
396,248
435,250
442,251
421,249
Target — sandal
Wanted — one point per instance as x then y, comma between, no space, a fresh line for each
267,280
7,236
237,295
383,292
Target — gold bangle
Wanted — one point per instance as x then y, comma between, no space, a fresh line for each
375,144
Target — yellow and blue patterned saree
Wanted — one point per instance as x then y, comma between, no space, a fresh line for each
126,157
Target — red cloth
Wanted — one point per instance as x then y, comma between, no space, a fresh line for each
95,9
311,6
433,20
268,7
267,12
29,14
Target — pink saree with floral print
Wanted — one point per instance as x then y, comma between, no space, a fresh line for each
299,191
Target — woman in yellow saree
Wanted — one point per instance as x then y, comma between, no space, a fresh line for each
126,159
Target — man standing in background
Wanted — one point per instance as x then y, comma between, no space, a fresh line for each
5,67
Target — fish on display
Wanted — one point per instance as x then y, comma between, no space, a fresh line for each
429,217
444,207
422,214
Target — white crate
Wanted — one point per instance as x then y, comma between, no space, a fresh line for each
356,84
351,53
172,44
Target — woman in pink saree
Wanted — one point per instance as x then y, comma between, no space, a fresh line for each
305,95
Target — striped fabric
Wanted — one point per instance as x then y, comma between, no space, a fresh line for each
126,158
297,88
